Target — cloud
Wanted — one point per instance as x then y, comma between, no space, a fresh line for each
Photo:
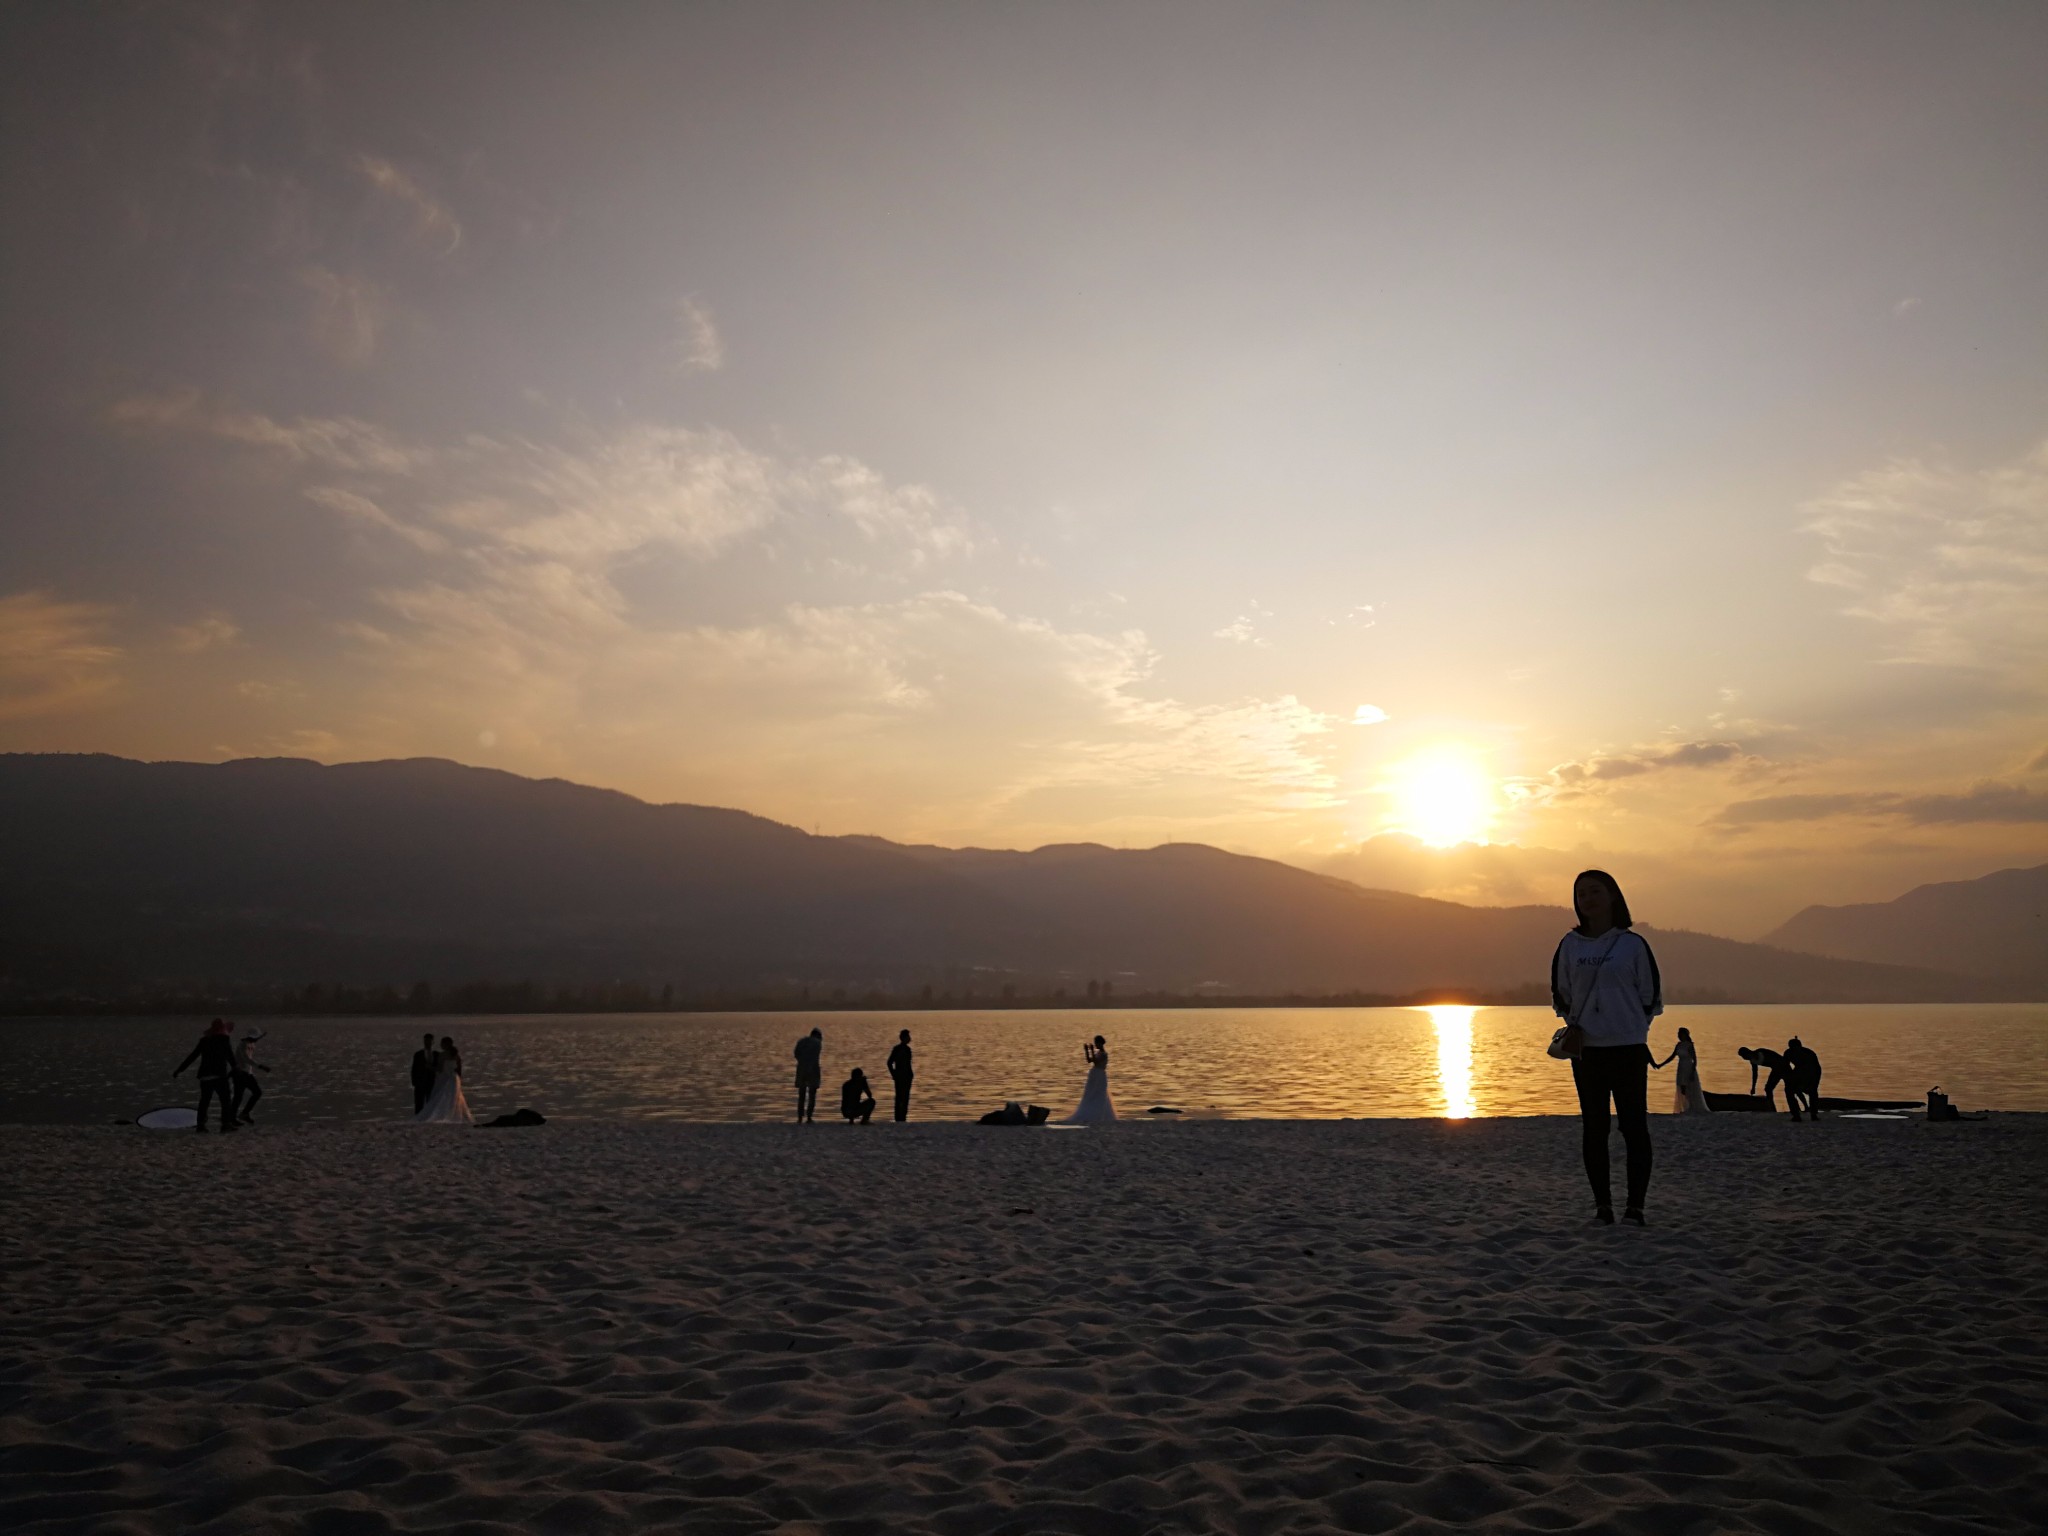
699,347
1578,780
509,598
1240,631
590,497
210,632
348,315
54,656
1369,714
1952,561
1988,802
430,223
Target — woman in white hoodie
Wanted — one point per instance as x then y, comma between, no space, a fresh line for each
1604,980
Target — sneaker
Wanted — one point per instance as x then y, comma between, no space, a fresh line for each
1634,1217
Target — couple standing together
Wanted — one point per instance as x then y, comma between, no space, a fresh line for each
437,1097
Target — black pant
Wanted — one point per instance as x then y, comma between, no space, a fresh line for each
247,1092
858,1113
420,1090
221,1088
806,1100
902,1099
1622,1071
1803,1086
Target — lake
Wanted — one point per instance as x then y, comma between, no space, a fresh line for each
1294,1063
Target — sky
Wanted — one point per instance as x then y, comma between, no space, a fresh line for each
1445,445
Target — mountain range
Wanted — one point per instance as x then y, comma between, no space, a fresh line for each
276,872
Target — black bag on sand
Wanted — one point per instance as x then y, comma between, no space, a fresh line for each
1014,1113
517,1117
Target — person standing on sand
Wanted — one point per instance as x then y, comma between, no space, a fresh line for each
1096,1106
215,1054
447,1105
1691,1098
810,1073
1604,981
247,1089
1802,1076
422,1072
900,1074
1759,1056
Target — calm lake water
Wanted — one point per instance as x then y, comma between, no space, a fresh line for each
1306,1063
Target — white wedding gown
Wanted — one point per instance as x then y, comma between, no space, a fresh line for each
1095,1107
1690,1098
446,1104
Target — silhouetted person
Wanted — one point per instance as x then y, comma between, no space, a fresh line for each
1762,1058
1604,981
809,1074
215,1054
423,1072
900,1074
1802,1076
856,1099
247,1089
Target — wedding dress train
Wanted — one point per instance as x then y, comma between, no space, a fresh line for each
446,1105
1095,1107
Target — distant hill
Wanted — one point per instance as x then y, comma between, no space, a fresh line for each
276,872
1995,927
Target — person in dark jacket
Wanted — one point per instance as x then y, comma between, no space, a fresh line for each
423,1072
810,1074
856,1099
1762,1058
215,1054
1802,1077
900,1074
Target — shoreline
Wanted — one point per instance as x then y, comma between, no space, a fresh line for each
1243,1325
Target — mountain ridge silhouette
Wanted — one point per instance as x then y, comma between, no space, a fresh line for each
277,871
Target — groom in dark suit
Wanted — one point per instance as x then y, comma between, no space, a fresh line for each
423,1073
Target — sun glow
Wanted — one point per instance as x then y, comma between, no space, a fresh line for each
1443,797
1453,1023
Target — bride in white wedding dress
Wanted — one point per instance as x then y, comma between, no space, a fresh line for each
1095,1107
446,1104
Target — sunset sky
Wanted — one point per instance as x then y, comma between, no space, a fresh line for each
1583,433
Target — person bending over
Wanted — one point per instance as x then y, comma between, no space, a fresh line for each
1604,981
856,1099
1802,1076
1762,1058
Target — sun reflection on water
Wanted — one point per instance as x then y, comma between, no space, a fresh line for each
1453,1023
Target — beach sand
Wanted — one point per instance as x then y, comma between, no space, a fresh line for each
1204,1326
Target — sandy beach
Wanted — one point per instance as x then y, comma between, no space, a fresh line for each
1247,1327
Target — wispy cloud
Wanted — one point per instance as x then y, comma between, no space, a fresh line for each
429,220
1580,779
699,347
1953,561
348,315
207,633
55,656
1990,801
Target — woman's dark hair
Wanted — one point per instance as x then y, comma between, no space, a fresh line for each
1100,1041
1685,1032
1621,917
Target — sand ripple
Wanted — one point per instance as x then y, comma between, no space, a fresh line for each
1247,1327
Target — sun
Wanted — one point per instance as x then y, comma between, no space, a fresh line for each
1443,797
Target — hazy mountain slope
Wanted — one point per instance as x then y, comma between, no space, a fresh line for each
277,871
1996,926
1255,925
